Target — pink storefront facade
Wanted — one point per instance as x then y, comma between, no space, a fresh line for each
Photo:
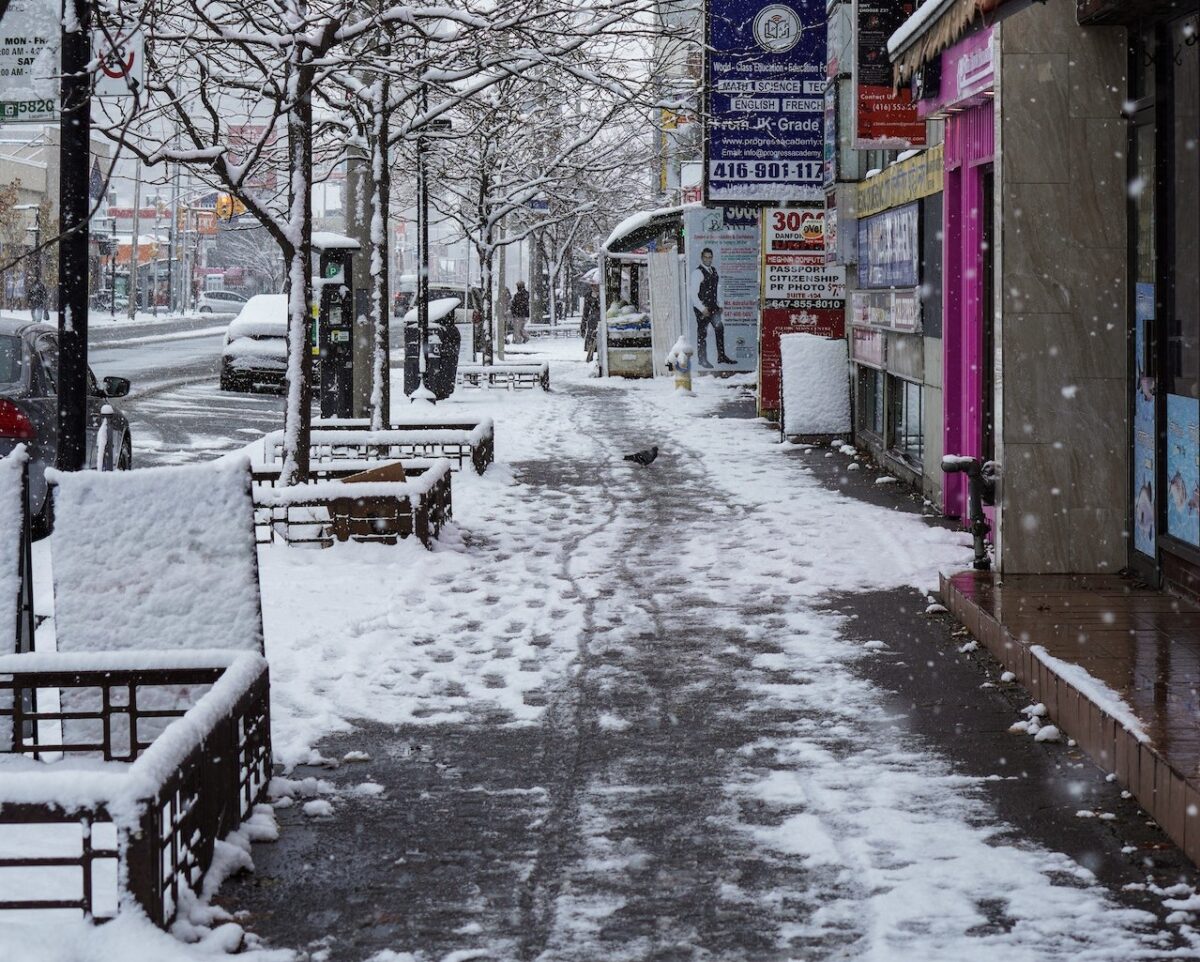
965,100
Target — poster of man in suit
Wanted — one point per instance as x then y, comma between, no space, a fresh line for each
722,289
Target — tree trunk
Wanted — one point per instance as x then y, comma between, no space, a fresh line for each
297,421
381,180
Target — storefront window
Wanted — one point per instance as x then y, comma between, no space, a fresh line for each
870,400
908,432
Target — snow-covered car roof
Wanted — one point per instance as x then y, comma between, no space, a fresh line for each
263,314
437,309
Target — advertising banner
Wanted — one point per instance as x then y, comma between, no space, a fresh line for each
722,287
894,310
1183,476
889,249
802,294
29,69
1145,504
883,117
765,86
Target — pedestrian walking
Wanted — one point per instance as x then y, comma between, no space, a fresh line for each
37,300
706,303
589,326
520,313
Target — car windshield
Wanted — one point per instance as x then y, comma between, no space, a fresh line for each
10,359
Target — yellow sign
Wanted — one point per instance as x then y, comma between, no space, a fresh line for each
903,183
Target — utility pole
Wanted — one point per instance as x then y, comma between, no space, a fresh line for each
173,241
112,300
134,249
75,148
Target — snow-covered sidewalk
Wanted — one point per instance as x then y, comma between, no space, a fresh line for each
610,717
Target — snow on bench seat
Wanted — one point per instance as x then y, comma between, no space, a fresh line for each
507,375
158,558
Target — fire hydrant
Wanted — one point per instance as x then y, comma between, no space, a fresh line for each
679,361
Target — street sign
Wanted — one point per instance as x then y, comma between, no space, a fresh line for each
29,68
121,57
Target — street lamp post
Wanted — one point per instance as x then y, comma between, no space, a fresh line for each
36,231
423,245
112,294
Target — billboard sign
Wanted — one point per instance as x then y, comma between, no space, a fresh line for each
29,69
765,87
883,117
722,286
889,248
801,293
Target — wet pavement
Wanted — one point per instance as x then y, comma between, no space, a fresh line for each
629,823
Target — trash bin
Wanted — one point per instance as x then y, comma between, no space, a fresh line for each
441,359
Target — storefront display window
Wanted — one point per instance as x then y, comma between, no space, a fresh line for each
908,431
871,402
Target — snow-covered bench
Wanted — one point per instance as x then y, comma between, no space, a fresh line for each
552,330
512,376
329,507
463,441
119,815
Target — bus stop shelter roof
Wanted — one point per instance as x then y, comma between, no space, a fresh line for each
639,229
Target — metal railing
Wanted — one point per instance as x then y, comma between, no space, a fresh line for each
148,829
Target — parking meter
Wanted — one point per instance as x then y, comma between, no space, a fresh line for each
335,328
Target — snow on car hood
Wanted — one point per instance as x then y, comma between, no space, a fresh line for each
265,315
437,309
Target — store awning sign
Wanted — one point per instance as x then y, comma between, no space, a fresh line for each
29,43
765,86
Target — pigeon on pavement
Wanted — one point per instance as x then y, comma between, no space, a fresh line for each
643,457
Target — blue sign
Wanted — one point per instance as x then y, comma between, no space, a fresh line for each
765,82
889,249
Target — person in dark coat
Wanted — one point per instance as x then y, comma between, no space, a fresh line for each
589,327
37,300
519,308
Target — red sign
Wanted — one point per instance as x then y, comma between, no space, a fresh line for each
776,321
883,117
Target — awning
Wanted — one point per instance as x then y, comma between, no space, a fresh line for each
936,25
641,228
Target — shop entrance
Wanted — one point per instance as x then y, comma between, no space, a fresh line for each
967,327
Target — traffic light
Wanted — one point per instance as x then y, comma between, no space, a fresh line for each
229,207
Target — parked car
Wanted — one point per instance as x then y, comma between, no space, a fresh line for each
223,302
255,351
29,408
470,301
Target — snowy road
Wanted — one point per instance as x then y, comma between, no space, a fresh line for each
177,412
617,720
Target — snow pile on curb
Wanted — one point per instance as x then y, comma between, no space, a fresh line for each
816,387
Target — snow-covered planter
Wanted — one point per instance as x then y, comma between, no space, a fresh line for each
329,507
98,817
511,376
462,441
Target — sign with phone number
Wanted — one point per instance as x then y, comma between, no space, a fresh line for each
761,148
